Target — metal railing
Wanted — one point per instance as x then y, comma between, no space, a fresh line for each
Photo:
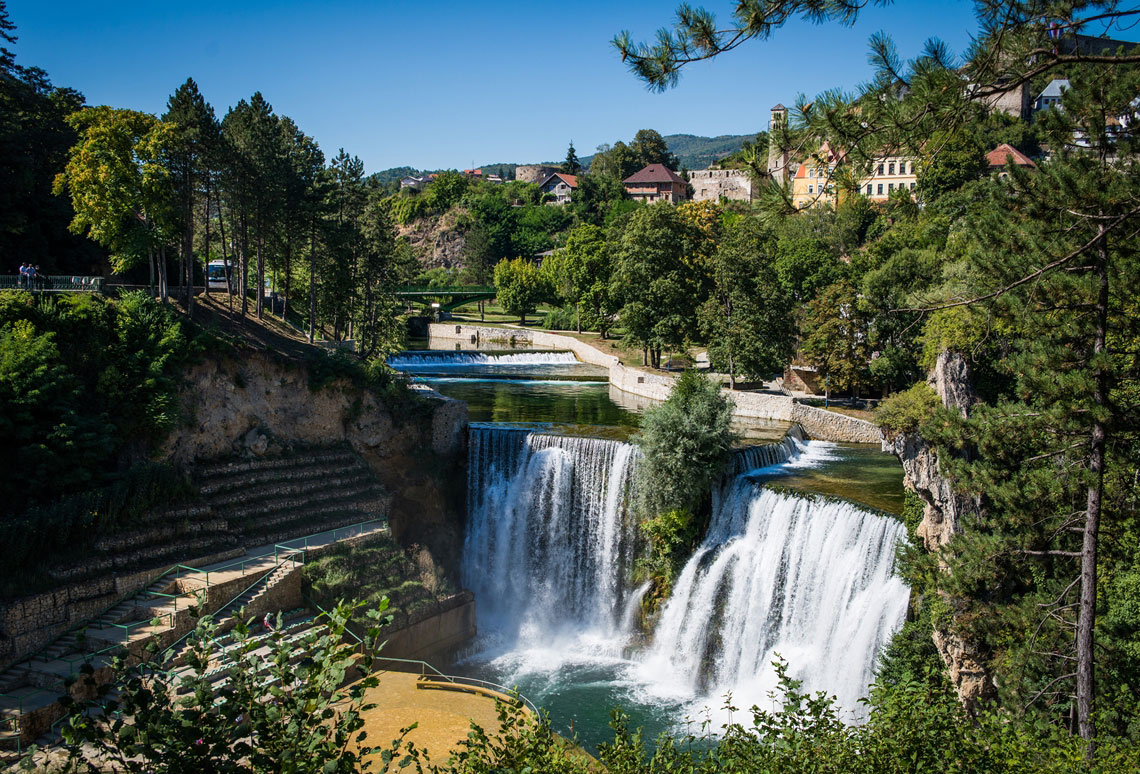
52,283
341,533
474,682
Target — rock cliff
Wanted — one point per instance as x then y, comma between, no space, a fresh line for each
255,404
943,514
437,241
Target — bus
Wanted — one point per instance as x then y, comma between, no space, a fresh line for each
216,272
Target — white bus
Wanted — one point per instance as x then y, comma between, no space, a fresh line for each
216,272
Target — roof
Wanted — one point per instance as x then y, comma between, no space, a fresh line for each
1056,88
655,173
570,180
997,156
778,106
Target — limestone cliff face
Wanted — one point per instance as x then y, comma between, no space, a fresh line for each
437,241
945,509
255,404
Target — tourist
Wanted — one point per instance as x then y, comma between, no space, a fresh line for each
33,276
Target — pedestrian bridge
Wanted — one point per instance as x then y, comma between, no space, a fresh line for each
52,283
448,298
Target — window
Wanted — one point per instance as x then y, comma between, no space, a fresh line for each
880,171
811,172
902,168
912,186
891,168
880,192
811,189
890,186
868,189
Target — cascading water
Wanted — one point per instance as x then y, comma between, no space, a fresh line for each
808,579
549,542
435,358
549,550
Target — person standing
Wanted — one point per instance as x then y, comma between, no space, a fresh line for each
23,281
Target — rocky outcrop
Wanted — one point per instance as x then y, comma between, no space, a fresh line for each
437,241
944,511
256,404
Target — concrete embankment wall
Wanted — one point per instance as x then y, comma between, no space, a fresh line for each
819,423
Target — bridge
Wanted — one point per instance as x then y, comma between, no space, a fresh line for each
52,283
448,298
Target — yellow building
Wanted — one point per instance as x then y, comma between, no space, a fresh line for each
813,183
889,174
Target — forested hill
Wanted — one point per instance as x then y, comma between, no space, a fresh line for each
694,151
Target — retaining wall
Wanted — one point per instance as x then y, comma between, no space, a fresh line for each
819,423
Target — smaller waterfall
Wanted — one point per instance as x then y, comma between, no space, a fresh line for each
446,359
755,457
549,544
807,579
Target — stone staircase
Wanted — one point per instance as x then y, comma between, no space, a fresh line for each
258,502
277,499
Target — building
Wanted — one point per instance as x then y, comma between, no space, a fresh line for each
813,183
778,162
712,185
560,185
998,156
475,173
889,174
411,181
1050,96
656,183
533,173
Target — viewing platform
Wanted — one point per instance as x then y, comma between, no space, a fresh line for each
52,283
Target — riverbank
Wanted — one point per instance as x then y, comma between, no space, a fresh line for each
818,423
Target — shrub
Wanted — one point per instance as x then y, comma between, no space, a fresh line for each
905,411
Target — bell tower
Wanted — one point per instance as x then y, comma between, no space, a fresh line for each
777,161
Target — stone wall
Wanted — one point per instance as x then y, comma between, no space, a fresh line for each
533,173
30,623
712,184
435,637
819,423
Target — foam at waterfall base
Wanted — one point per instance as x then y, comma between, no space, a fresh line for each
807,580
549,551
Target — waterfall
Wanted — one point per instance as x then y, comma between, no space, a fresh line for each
549,544
806,578
444,359
755,457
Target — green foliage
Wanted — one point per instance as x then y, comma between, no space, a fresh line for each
685,443
835,338
273,713
82,378
747,318
564,318
520,286
660,288
369,574
906,411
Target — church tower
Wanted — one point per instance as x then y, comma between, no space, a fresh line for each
777,161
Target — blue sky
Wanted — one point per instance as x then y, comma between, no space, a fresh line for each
435,84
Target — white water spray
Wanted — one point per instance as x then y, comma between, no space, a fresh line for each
444,359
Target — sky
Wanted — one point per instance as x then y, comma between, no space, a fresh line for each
435,84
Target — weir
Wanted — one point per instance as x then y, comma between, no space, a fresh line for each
550,549
436,358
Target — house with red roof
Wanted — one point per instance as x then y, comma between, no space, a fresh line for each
560,185
656,183
997,159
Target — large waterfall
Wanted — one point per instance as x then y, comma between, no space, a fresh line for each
807,579
550,547
549,542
